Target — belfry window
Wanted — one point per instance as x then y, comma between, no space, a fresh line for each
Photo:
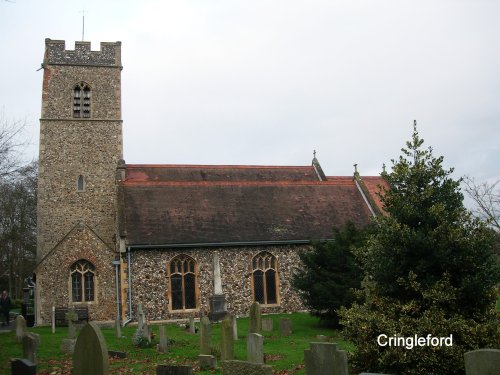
80,183
82,274
265,278
183,283
81,101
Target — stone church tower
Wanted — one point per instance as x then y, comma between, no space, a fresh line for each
80,146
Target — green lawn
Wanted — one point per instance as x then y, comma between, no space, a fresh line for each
285,354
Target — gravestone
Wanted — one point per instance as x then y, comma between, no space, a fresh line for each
245,368
255,348
285,327
68,345
117,354
174,370
321,338
91,353
30,343
267,324
20,324
22,367
71,317
217,302
163,346
227,340
53,319
192,328
205,336
207,362
235,326
482,362
255,318
141,319
325,359
118,327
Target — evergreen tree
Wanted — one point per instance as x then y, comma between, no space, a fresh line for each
329,274
429,270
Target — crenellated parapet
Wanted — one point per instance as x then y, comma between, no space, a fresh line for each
57,54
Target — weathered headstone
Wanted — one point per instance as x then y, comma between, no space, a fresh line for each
20,324
285,327
174,370
482,362
235,326
192,328
30,343
163,346
71,317
141,319
255,318
53,319
255,348
22,367
118,327
245,368
325,359
227,340
321,338
91,352
205,336
267,324
207,362
68,345
117,354
217,302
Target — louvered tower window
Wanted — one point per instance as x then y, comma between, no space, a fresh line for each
81,101
265,278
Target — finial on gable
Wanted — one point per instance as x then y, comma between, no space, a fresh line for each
317,168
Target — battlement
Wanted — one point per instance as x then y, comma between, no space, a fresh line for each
57,54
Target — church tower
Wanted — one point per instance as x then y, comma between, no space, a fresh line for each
80,146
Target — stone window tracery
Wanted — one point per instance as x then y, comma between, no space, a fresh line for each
82,274
265,279
183,283
81,101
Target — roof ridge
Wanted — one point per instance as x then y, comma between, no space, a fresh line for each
237,183
217,166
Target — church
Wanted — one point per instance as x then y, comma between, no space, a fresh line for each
182,240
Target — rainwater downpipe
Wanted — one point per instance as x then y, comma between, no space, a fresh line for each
116,263
129,277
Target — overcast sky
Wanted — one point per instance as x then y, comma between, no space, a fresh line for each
267,82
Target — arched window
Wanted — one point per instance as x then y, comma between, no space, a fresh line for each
81,101
265,278
82,275
80,183
183,283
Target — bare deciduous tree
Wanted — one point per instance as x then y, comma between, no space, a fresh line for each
486,195
12,145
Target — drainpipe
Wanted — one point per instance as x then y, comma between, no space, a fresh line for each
129,277
116,263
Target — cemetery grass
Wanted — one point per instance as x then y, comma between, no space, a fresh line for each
284,353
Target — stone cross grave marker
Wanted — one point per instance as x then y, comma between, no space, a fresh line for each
227,340
30,343
20,324
205,336
141,319
267,324
245,368
163,346
91,352
482,362
325,359
255,318
255,348
285,327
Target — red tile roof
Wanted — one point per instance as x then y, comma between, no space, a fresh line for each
177,204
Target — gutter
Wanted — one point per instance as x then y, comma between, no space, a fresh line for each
221,244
